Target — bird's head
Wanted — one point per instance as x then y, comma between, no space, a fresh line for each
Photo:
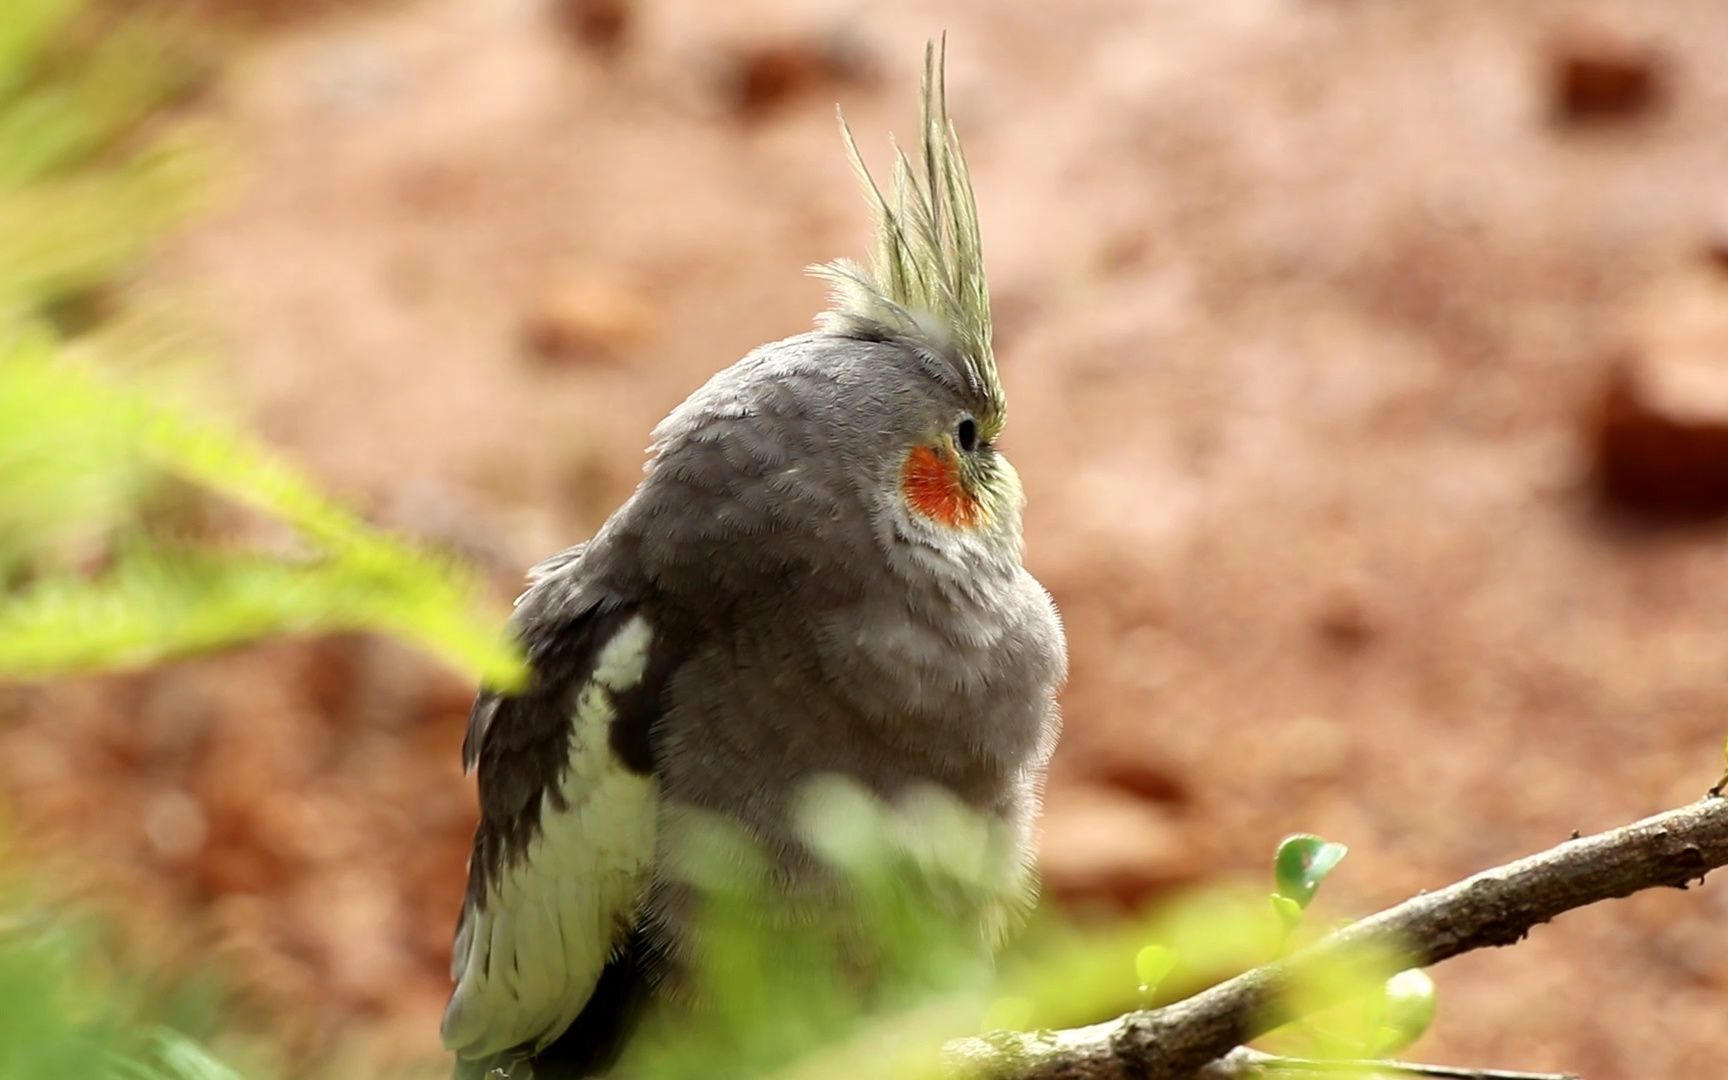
895,400
925,293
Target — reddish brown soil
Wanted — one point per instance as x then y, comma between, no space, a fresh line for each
1305,307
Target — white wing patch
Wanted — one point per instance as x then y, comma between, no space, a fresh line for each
525,967
625,657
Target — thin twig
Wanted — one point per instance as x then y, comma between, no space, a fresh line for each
1496,907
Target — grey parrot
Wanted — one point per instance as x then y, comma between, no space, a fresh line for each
819,574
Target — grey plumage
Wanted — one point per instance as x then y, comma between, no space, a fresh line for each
773,604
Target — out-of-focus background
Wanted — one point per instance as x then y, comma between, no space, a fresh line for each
1368,368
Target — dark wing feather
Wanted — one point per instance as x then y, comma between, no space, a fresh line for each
563,850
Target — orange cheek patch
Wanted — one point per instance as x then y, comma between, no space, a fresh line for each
931,481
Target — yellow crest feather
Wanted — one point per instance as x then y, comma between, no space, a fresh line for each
926,280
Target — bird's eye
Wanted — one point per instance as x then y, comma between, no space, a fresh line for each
966,434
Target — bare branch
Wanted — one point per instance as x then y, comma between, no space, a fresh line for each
1495,907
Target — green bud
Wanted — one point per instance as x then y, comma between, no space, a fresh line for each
1408,1001
1302,863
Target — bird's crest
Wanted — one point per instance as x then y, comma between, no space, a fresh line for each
926,280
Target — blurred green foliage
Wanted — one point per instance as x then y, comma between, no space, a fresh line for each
789,998
82,454
101,564
899,938
88,174
872,973
71,1005
94,574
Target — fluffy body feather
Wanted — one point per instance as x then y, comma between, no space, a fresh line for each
820,574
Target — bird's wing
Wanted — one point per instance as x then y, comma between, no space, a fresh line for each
568,804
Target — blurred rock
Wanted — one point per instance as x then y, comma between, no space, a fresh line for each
1659,438
1715,250
759,77
1147,780
583,317
1106,848
1658,431
331,676
1345,624
1597,74
599,25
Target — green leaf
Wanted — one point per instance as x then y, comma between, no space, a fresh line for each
1408,1003
1302,863
1152,965
1289,912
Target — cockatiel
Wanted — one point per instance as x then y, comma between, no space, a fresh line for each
820,573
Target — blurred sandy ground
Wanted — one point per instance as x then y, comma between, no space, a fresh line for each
1307,310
